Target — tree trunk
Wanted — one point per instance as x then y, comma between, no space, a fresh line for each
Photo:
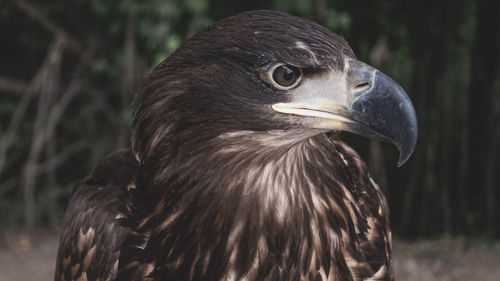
484,73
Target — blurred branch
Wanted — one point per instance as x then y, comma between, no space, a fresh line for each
51,182
36,15
47,92
11,85
49,113
128,79
320,11
378,55
57,159
18,115
58,109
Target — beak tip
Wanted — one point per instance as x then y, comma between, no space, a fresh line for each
402,160
406,149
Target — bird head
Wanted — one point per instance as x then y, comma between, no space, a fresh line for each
269,71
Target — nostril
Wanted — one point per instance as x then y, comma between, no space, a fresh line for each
360,88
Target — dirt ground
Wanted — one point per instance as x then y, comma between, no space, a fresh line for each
24,258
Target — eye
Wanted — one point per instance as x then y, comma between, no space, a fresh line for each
285,76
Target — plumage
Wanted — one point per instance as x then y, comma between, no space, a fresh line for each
220,184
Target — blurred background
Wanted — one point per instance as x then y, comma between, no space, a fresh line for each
69,70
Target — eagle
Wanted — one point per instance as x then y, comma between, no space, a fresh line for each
236,170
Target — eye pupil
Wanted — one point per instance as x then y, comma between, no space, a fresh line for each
286,75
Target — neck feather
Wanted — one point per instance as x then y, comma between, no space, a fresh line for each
246,200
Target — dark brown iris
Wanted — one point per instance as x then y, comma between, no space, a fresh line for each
286,75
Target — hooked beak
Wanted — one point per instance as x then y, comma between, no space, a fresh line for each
361,100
